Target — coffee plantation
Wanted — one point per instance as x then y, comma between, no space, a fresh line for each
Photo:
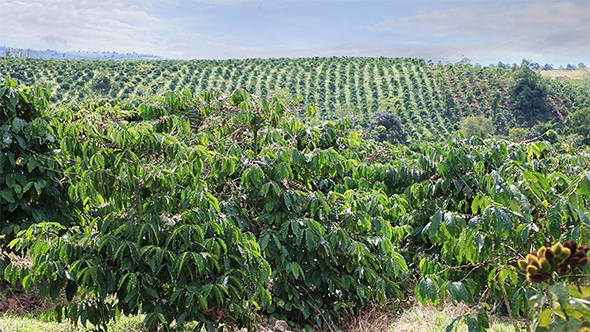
222,209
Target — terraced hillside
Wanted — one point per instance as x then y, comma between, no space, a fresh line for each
429,99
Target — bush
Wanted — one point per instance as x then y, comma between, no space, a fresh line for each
191,227
578,123
477,126
30,186
517,134
386,127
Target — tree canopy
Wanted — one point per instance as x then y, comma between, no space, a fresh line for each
578,123
528,94
477,126
386,127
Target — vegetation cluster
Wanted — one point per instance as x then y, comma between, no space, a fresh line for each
430,100
221,209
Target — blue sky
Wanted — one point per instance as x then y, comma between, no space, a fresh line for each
545,31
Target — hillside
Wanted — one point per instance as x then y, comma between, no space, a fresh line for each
429,99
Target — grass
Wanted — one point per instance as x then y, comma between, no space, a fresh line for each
418,318
407,317
571,74
10,323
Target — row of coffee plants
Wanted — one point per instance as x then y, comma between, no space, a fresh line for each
431,98
223,209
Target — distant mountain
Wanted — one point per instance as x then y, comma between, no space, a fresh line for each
60,55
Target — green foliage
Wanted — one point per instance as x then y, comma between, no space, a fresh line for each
474,324
31,190
329,256
558,307
484,200
151,237
569,309
578,123
429,99
102,85
220,209
386,127
477,126
517,134
528,93
190,220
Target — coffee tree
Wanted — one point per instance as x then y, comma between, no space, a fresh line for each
31,186
151,237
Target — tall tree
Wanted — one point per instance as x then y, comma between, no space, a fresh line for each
477,126
386,126
528,93
578,123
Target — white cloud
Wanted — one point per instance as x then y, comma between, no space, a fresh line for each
496,30
505,21
85,25
485,31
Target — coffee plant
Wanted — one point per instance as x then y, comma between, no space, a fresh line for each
31,190
483,203
224,209
211,220
151,237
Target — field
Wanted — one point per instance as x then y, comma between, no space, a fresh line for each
580,74
220,209
429,99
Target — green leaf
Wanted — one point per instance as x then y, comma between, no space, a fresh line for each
10,180
264,241
581,305
554,221
311,240
504,223
584,186
71,289
311,110
18,124
180,318
450,224
429,290
296,270
12,100
151,291
264,189
458,292
434,226
7,138
7,195
26,281
473,325
546,318
31,165
482,318
569,325
55,289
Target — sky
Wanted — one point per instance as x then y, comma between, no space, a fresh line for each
486,32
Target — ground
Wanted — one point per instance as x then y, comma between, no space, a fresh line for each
25,312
